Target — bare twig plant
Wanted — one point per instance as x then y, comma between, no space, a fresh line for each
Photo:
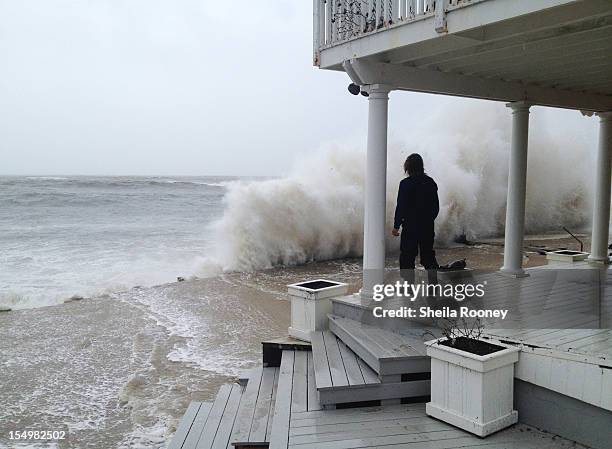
452,329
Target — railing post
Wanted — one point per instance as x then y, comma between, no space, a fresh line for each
316,31
328,21
322,22
440,20
362,20
334,22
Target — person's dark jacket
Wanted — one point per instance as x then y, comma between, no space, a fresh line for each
417,203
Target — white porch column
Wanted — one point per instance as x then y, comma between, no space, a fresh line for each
601,210
375,190
517,186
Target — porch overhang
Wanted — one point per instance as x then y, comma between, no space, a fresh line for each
407,78
547,52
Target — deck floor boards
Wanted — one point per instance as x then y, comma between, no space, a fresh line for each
301,423
246,411
282,406
226,424
209,432
313,399
198,426
187,421
350,361
271,406
543,309
403,426
337,368
299,393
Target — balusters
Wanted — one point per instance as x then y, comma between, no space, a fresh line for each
328,21
340,19
350,19
334,20
358,18
363,9
321,26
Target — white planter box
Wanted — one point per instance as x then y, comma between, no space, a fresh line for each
310,305
566,255
470,391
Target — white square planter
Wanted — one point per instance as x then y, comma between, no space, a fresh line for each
470,391
310,305
566,255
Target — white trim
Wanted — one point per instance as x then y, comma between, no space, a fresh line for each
480,363
430,81
470,425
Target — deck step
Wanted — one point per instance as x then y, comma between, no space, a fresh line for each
240,416
187,422
296,393
253,422
208,426
342,377
388,353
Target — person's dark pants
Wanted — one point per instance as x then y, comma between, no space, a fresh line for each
416,242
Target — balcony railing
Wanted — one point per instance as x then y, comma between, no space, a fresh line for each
338,21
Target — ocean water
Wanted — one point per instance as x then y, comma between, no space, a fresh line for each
118,368
86,236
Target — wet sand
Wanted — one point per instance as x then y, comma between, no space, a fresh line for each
118,371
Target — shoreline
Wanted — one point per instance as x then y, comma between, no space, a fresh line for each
487,258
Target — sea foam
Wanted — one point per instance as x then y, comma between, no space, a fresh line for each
316,212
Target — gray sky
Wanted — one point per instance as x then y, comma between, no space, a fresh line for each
182,87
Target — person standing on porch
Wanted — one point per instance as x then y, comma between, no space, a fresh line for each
416,210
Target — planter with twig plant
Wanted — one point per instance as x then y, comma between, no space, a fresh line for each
472,380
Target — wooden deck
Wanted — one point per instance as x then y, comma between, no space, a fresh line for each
299,420
355,362
559,298
560,318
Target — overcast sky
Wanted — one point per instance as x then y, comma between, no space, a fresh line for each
181,87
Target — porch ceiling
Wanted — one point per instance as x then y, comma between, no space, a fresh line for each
563,51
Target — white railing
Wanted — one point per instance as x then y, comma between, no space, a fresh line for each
336,21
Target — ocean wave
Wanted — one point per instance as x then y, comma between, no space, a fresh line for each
47,178
316,213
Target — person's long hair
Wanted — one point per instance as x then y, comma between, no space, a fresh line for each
414,165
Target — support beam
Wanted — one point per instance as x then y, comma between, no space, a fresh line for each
517,187
431,81
375,190
601,210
